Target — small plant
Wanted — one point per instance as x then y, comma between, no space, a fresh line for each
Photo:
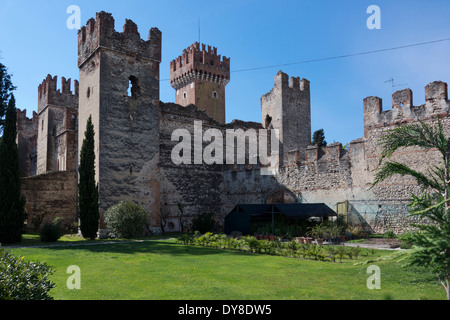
186,239
332,252
265,246
340,252
51,231
251,243
389,234
318,231
292,247
406,240
315,251
354,252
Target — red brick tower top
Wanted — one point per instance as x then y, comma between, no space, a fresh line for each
199,77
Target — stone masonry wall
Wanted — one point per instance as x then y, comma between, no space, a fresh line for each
49,196
198,187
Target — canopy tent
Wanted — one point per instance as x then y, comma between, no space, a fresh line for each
240,218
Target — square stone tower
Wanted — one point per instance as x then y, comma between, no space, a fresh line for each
119,88
287,107
57,125
199,77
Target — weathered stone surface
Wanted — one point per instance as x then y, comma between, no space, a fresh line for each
49,196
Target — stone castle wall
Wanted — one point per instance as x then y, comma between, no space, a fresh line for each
49,196
134,145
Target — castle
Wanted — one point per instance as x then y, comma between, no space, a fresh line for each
119,87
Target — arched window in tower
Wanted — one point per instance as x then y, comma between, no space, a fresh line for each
133,87
215,95
184,95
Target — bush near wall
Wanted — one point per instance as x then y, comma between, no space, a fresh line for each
126,219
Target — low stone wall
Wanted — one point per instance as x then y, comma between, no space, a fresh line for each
49,196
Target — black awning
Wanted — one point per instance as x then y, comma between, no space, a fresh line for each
239,218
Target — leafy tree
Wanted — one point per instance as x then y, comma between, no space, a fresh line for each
432,206
12,214
319,138
6,88
87,188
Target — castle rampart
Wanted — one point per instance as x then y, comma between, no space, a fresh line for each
48,94
403,110
99,33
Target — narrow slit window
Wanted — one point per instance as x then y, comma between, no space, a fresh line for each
133,87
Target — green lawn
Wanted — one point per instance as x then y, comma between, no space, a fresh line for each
164,269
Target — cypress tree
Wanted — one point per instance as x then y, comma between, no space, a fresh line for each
87,188
6,88
12,214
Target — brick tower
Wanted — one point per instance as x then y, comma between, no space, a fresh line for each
199,77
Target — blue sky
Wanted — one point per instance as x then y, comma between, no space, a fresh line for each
35,42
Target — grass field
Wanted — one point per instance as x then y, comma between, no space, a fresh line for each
166,270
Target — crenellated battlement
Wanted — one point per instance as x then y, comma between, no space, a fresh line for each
403,109
314,154
24,123
199,63
100,33
48,94
290,85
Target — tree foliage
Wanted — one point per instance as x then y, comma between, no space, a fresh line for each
6,88
87,187
319,138
432,206
12,202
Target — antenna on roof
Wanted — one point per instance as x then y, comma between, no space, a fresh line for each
391,80
199,30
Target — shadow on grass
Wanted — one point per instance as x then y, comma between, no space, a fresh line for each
166,247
